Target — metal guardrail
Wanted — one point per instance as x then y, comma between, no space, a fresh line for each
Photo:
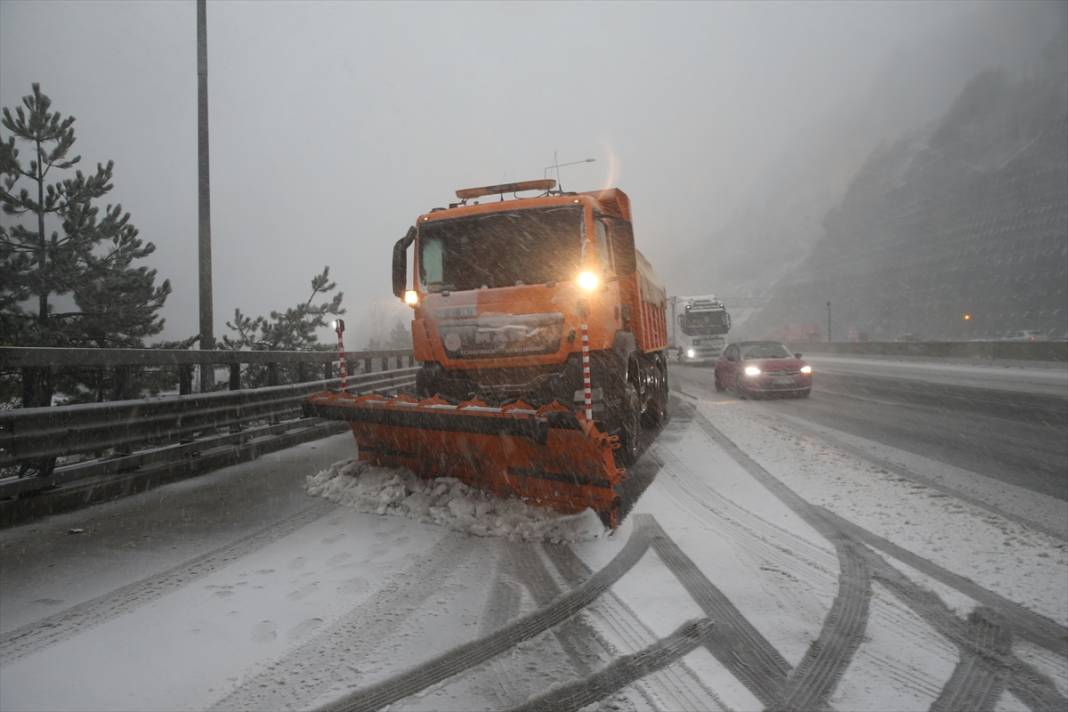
990,350
34,357
123,362
168,431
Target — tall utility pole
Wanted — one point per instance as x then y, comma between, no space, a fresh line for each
828,322
207,329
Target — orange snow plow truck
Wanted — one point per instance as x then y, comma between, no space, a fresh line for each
541,333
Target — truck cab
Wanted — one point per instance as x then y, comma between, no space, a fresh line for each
699,326
538,300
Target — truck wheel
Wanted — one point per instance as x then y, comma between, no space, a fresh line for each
631,430
425,385
656,410
665,395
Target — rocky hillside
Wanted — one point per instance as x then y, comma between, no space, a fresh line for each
969,216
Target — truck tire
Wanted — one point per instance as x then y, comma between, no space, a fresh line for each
630,430
656,409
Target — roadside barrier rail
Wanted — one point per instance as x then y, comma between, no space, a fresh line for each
171,433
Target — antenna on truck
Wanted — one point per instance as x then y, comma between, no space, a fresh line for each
557,166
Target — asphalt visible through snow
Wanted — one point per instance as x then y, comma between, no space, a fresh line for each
1016,437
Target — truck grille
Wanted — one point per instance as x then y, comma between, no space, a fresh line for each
502,335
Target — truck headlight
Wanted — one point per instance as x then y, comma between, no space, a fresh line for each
690,353
806,370
752,371
588,281
411,297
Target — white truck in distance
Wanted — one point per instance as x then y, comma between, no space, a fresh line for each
699,326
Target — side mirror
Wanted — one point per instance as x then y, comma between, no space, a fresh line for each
400,263
797,355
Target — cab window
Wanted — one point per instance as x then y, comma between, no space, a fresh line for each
603,253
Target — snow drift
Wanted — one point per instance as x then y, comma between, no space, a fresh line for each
447,502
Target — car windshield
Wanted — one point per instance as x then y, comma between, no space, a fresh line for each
765,350
531,246
704,323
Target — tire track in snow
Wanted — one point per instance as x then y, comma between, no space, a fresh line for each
520,566
803,428
767,540
502,605
332,655
1033,688
977,683
32,637
811,684
622,671
476,652
1026,623
575,635
736,643
1028,684
677,687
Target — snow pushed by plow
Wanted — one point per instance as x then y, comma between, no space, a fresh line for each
449,503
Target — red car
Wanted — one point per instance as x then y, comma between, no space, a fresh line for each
755,368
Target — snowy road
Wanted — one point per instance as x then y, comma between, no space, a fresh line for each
866,549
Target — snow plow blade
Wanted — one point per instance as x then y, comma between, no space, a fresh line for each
545,456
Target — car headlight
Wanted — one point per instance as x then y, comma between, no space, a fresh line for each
752,371
806,370
690,353
588,281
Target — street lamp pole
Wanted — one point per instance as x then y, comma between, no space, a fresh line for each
828,322
207,329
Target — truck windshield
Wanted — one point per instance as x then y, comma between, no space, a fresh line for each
531,246
704,323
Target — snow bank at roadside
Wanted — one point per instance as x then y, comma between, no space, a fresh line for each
447,502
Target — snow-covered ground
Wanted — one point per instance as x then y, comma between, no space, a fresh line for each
773,530
449,503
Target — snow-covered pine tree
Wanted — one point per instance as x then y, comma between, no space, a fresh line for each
56,241
290,330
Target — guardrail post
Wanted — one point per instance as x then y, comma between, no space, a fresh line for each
328,370
385,363
302,372
121,387
185,379
235,377
36,387
272,374
367,366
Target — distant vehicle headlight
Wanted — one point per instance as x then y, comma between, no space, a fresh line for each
690,353
752,371
806,369
588,281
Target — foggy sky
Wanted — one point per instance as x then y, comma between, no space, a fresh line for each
334,124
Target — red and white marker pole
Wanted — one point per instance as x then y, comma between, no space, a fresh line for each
339,329
587,385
